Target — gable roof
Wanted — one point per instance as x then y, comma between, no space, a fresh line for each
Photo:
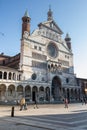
51,25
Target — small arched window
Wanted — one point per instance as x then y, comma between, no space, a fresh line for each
0,75
67,80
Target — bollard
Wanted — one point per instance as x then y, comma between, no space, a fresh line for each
25,107
12,111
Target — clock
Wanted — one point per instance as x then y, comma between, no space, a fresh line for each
52,50
26,34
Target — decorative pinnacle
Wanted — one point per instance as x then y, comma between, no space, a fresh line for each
50,17
67,38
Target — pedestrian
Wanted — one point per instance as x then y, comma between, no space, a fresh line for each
83,100
66,103
18,102
22,103
35,104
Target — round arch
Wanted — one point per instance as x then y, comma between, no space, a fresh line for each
41,88
27,92
11,92
41,94
19,91
47,93
5,75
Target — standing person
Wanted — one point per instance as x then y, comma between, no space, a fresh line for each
22,103
85,100
35,104
66,102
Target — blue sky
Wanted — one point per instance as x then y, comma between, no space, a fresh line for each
70,15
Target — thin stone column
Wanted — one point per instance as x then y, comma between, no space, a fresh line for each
7,75
6,95
16,93
24,91
65,92
37,94
31,95
50,94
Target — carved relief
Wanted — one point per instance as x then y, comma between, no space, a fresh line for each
41,65
39,56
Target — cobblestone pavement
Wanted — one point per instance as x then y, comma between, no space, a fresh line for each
46,117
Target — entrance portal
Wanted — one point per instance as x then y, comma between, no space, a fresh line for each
56,88
34,93
33,96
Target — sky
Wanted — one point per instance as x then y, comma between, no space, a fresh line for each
70,16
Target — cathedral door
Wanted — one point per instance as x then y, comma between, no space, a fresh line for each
34,93
56,88
33,96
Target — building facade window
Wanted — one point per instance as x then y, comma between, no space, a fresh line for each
39,48
35,47
67,80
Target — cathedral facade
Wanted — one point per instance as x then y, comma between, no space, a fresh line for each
43,70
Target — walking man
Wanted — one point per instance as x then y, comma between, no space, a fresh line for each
35,104
66,102
22,103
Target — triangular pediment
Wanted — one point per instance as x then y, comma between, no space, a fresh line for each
52,26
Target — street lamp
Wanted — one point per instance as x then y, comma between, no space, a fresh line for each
86,90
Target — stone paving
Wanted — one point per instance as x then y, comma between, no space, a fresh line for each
46,117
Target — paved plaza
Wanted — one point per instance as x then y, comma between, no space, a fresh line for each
46,117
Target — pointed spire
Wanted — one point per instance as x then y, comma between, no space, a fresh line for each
67,38
68,41
50,17
26,14
50,7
